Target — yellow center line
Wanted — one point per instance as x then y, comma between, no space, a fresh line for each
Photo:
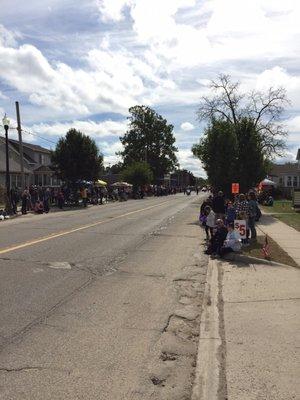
80,228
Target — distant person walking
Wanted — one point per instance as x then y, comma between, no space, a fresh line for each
25,201
60,199
84,196
46,200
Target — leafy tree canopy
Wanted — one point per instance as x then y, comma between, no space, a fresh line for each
226,102
232,154
138,174
115,168
149,138
243,134
77,157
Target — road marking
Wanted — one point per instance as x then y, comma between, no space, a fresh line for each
80,228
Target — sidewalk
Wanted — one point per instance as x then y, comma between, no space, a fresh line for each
286,237
249,333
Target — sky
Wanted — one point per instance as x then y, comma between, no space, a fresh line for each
83,63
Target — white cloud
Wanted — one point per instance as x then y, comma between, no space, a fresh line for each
187,126
189,162
106,86
229,30
293,125
136,61
8,38
109,150
112,9
3,96
93,129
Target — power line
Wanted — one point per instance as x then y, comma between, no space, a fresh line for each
40,137
33,134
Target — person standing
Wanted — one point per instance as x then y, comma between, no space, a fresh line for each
25,201
14,198
252,212
219,205
84,196
46,201
210,222
60,199
230,213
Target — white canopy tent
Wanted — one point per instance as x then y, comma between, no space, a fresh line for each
268,182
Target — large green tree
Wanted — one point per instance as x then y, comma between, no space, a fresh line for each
138,174
77,157
226,102
149,138
252,164
232,153
217,150
244,132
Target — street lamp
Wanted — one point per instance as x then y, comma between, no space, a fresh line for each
6,123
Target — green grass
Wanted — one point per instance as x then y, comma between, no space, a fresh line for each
282,210
277,254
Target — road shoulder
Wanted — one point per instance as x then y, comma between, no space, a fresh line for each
248,333
261,304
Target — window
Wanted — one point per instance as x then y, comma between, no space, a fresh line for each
281,181
289,181
295,181
41,158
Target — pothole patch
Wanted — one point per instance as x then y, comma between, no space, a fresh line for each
59,265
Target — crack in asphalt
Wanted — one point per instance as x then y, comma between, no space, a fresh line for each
166,326
110,268
39,320
19,369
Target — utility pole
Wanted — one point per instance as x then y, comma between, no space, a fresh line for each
20,146
6,123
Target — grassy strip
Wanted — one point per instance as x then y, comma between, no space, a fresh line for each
277,254
282,210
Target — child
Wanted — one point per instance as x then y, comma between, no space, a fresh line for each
230,213
232,242
210,221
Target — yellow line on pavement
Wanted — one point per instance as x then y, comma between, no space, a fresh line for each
80,228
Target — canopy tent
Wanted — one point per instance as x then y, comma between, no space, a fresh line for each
100,183
267,182
121,184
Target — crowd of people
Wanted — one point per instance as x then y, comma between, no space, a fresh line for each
217,216
40,199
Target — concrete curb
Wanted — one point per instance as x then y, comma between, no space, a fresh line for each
207,375
253,260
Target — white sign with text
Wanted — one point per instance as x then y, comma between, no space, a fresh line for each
240,227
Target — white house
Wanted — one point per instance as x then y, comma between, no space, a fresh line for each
287,176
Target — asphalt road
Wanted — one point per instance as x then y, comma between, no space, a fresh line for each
101,303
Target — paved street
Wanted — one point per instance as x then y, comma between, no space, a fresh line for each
102,303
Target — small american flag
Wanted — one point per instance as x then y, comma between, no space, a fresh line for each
266,248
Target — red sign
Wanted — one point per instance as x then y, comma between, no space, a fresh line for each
235,188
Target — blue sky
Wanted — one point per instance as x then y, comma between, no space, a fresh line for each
82,64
